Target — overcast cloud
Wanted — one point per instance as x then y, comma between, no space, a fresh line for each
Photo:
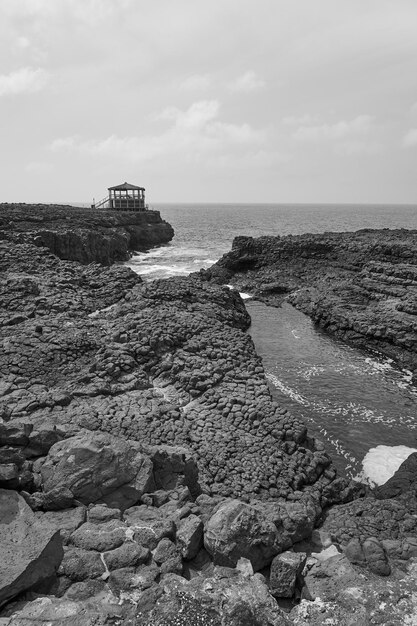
221,100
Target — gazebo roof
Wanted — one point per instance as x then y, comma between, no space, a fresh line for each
125,187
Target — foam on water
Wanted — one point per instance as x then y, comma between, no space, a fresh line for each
381,463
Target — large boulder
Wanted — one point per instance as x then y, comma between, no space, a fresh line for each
98,467
285,569
238,530
31,550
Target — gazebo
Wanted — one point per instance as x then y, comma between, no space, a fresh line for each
124,197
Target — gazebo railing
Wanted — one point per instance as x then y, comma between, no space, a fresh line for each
101,203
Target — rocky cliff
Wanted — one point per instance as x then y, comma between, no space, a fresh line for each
360,287
82,234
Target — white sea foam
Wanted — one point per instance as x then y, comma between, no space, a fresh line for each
287,391
381,462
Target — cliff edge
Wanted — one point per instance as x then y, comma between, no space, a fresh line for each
82,234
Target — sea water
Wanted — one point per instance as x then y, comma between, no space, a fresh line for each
351,400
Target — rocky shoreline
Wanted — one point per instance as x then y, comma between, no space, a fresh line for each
146,474
359,286
82,234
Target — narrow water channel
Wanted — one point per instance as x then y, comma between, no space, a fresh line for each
350,400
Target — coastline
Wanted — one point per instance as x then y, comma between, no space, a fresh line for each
168,377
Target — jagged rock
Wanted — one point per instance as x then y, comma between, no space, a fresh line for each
99,513
46,611
100,537
31,551
285,569
326,579
370,553
97,467
133,578
164,551
149,525
404,479
190,536
227,597
79,564
129,554
66,521
174,467
239,530
15,434
56,499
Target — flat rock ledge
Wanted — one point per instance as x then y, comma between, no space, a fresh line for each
140,445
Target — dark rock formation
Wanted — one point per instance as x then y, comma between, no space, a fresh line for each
82,234
360,287
30,551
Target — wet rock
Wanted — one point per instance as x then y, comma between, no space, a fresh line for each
31,551
239,530
98,467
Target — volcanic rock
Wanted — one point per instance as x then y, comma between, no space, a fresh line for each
239,530
98,467
30,551
285,569
84,235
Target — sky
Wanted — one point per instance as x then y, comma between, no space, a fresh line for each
286,101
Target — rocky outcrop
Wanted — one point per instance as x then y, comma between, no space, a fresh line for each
30,551
82,234
97,467
361,287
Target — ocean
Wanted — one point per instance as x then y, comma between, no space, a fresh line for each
361,406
